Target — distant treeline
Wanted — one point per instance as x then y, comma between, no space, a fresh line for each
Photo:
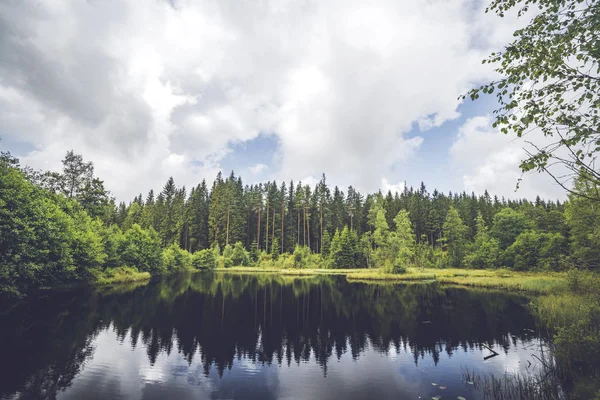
62,227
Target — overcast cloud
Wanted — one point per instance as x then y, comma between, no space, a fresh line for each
154,88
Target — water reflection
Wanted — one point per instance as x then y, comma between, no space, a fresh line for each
243,336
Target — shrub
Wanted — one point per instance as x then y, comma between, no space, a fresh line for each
398,268
227,251
579,342
286,261
583,282
301,256
239,255
204,259
393,267
176,259
264,258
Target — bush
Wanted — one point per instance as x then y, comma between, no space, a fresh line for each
122,274
176,259
286,261
317,261
239,255
579,342
227,251
264,258
204,259
301,256
395,267
398,268
583,282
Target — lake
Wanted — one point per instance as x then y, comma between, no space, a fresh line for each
262,336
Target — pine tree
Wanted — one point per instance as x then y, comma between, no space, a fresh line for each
168,226
198,218
455,233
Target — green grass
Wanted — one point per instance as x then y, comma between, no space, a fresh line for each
122,274
531,282
286,271
539,283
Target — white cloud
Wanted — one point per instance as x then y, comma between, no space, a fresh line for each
386,186
144,90
489,159
257,169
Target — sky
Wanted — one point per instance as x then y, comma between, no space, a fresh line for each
364,92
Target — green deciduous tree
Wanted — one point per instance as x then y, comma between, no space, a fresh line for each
455,235
76,174
111,239
535,250
403,242
550,80
507,225
204,259
36,235
87,246
141,248
174,258
583,219
239,255
485,250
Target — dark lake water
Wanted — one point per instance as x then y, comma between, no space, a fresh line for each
226,336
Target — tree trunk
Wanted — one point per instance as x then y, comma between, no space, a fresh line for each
298,235
187,238
273,229
304,227
258,229
267,230
282,223
227,234
321,234
308,228
248,243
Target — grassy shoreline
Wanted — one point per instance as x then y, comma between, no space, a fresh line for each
122,275
531,282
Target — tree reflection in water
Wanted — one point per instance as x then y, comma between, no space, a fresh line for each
263,318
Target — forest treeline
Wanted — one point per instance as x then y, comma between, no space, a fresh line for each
58,227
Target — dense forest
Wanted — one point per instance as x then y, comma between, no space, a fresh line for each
58,227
